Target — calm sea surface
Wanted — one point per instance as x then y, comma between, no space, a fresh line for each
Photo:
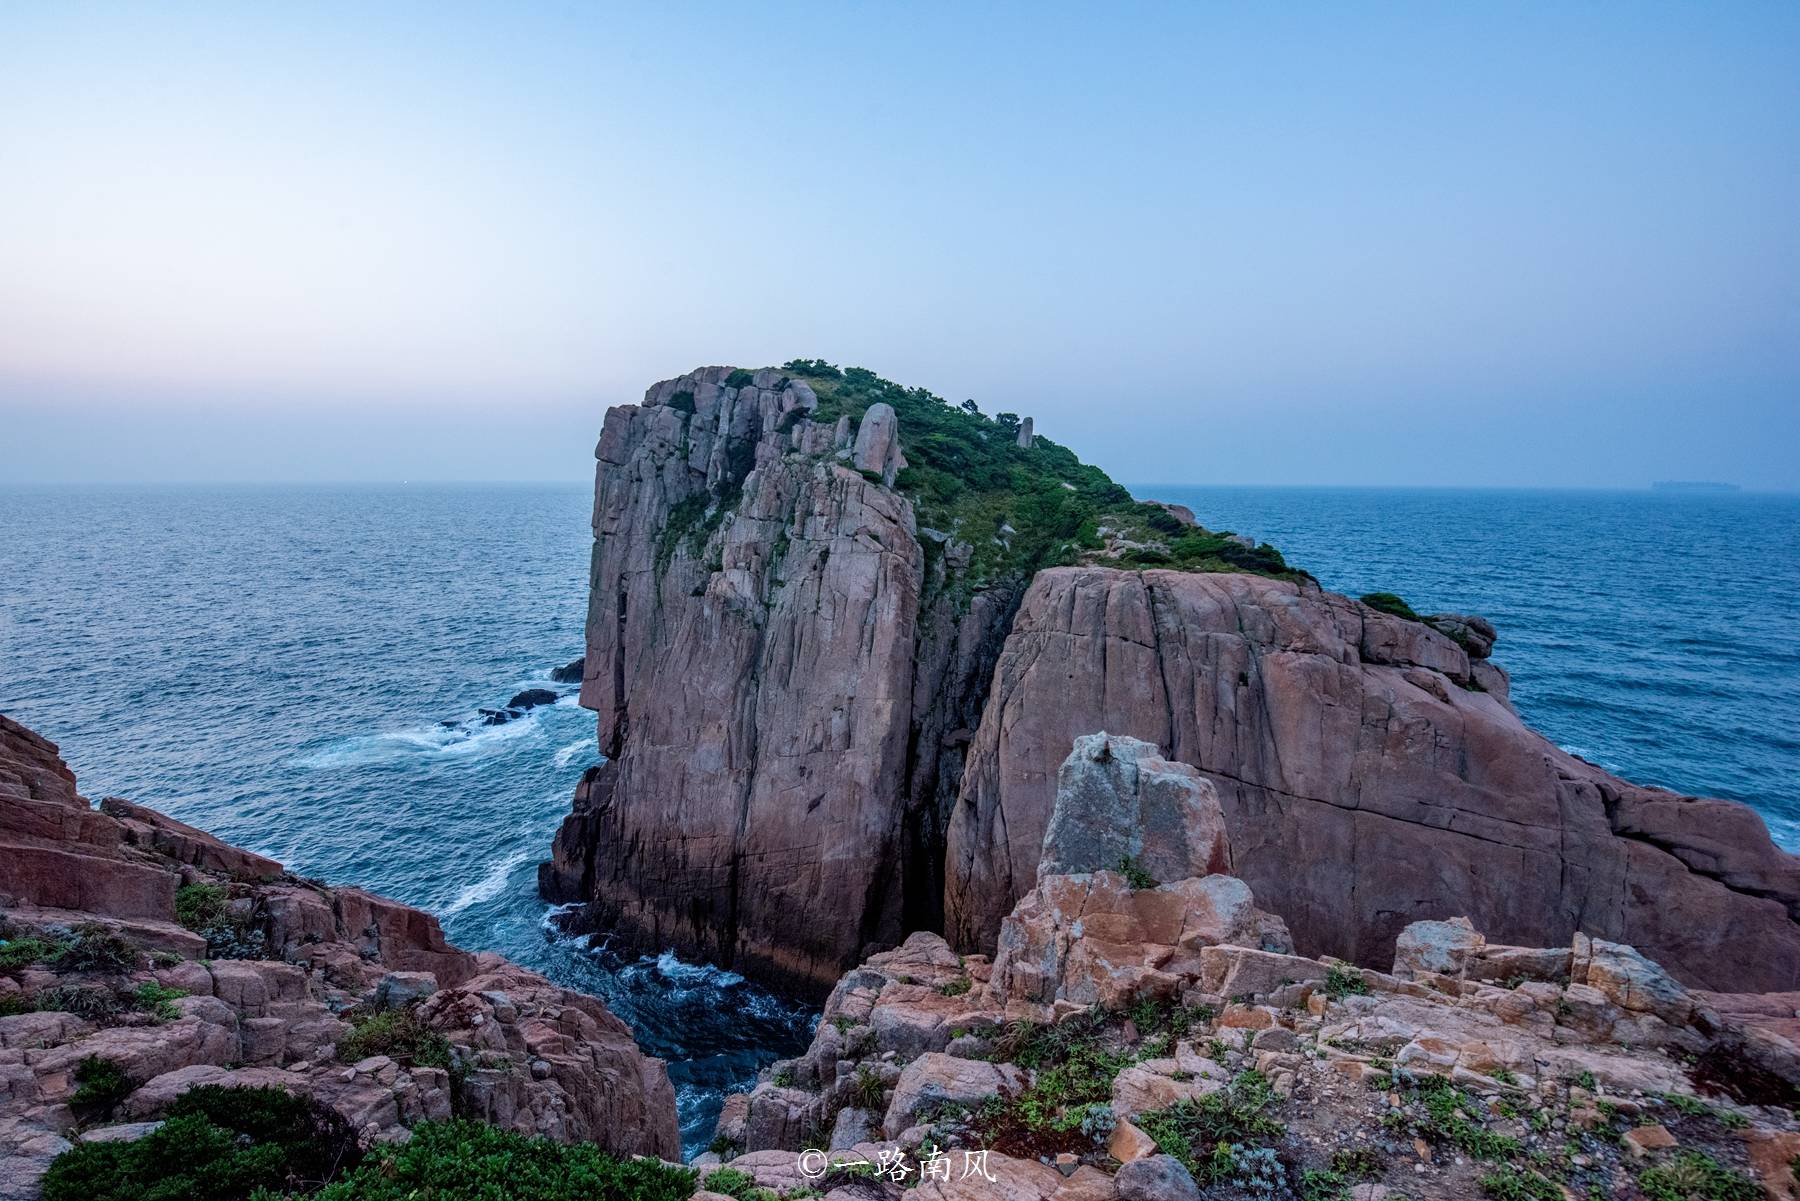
278,665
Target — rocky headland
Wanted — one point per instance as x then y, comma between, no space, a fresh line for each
841,634
1161,1041
142,959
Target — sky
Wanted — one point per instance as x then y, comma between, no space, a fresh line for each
1436,244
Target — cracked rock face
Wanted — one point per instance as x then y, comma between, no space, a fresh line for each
324,958
1372,775
779,679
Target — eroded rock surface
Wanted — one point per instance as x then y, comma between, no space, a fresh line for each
1373,775
1124,1035
266,992
780,682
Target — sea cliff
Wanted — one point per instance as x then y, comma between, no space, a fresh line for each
840,633
142,959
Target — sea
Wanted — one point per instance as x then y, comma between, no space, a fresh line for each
301,670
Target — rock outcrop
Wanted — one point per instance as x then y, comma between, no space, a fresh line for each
1223,1067
784,685
268,984
829,724
1372,772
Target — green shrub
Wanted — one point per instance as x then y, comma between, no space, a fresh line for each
21,952
1696,1176
397,1034
1323,1184
1451,1117
1520,1184
739,378
968,476
90,1001
216,1144
1341,982
1387,602
957,987
813,369
469,1161
868,1091
1236,1114
729,1181
200,907
1135,875
100,1083
1356,1163
157,1000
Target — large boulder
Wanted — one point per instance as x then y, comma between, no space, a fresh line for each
935,1077
1118,800
1094,939
1156,1178
877,447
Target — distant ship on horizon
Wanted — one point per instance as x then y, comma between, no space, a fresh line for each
1692,486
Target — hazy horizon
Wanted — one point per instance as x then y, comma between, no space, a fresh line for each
1413,246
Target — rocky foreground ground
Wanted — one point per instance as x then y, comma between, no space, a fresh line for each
1157,1041
141,957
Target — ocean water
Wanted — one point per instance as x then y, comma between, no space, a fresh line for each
278,664
1655,634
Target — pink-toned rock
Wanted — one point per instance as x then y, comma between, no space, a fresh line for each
936,1077
758,679
1246,972
587,1080
1641,1140
1138,1089
1402,804
1013,1180
183,843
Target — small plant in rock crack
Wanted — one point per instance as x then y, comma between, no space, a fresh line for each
1135,875
94,948
1250,1172
157,1000
1098,1121
1688,1175
100,1084
866,1091
399,1035
1342,981
230,933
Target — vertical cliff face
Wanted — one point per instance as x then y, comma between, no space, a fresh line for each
835,671
773,661
1371,773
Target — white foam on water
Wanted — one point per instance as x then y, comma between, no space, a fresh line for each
489,886
567,754
674,968
464,739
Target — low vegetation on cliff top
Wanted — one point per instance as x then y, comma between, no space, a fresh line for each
1022,508
264,1144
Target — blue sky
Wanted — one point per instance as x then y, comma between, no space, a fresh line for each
1413,244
